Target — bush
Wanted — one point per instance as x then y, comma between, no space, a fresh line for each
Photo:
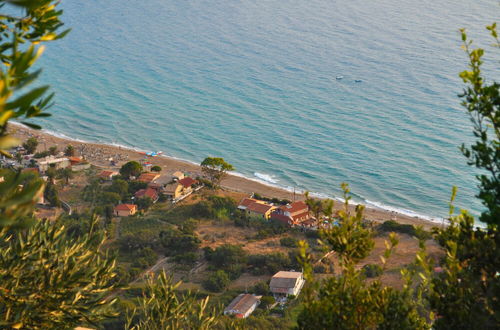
156,168
226,255
289,242
188,258
393,226
266,302
372,270
320,269
268,263
217,281
175,241
261,288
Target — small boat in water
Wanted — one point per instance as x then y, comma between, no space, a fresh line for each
339,77
357,80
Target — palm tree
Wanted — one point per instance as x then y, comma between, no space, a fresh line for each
66,174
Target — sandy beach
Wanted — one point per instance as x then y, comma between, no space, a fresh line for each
100,154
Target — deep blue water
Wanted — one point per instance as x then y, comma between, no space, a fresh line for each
255,82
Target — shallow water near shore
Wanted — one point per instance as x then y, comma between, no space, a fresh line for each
256,83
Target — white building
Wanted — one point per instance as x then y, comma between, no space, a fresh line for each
284,284
51,161
242,306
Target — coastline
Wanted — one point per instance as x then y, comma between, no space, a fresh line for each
99,153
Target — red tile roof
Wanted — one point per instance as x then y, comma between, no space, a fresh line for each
259,207
75,160
187,182
295,207
148,177
125,207
247,201
149,192
107,174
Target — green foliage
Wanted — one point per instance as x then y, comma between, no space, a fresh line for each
226,255
51,280
266,302
319,206
393,226
215,169
260,288
119,186
131,168
51,195
156,168
268,263
53,150
161,308
30,145
144,203
65,174
134,186
176,241
372,270
465,294
69,151
217,281
482,101
289,242
347,301
19,192
41,154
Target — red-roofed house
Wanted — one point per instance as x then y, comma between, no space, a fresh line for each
187,182
75,160
291,214
125,210
148,192
148,177
254,207
108,175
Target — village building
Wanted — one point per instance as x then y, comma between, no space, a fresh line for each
108,175
242,306
187,184
50,161
284,284
125,210
292,214
178,175
257,208
148,177
148,192
173,190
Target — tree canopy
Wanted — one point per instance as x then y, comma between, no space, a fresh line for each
215,169
131,168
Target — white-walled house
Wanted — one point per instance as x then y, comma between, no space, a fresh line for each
284,284
242,306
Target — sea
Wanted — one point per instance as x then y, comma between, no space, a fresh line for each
302,95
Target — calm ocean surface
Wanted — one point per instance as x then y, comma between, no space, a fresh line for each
255,82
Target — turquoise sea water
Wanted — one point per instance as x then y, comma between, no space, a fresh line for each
255,82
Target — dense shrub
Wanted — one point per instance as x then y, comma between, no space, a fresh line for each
289,242
260,288
393,226
217,281
372,270
176,241
268,263
226,255
188,258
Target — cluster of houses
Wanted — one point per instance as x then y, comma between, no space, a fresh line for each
283,285
28,162
295,214
175,188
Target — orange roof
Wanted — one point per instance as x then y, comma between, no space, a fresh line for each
107,174
187,182
75,160
148,177
247,201
259,208
149,192
295,207
125,207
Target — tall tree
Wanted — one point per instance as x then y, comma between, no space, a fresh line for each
131,168
69,151
30,145
215,168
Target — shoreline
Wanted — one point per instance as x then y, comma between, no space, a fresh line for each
99,153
